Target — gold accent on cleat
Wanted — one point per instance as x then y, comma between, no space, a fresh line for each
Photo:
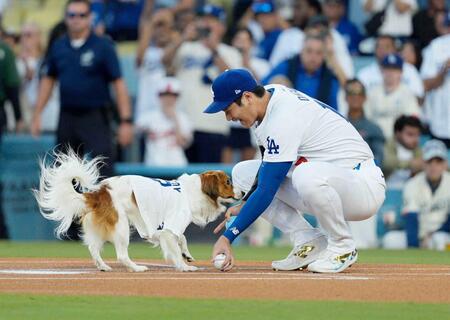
304,251
344,257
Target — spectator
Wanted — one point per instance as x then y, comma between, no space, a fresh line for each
435,72
397,18
355,95
9,90
198,56
426,207
28,64
411,53
243,41
269,21
309,72
291,41
178,8
168,131
335,10
117,18
90,62
402,153
239,138
392,98
424,22
371,75
152,69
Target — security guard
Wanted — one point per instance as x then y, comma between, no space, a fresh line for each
84,65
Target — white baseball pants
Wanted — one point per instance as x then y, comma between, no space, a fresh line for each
331,193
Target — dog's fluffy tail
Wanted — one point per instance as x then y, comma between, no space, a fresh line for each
61,187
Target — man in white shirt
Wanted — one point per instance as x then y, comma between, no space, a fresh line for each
290,43
398,15
314,161
198,57
371,76
391,99
435,71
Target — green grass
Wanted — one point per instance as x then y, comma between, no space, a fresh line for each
78,307
38,307
67,249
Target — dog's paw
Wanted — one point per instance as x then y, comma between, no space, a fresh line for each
189,268
188,257
104,268
138,269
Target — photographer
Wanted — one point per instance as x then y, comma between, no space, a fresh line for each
197,58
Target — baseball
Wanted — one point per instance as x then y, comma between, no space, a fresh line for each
218,260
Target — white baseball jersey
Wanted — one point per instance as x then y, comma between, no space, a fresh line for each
437,101
371,77
162,205
161,148
296,125
150,74
384,108
432,208
190,61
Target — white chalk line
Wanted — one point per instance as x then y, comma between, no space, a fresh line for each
188,278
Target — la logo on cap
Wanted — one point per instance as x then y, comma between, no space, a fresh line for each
237,91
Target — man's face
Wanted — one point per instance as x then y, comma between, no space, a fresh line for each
435,168
384,47
437,4
78,17
267,21
333,11
243,113
392,77
408,137
313,55
355,97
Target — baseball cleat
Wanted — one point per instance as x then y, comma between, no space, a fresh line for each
331,262
302,255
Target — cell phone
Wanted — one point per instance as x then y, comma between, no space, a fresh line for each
203,32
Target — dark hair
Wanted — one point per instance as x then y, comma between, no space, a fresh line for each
417,51
352,81
386,36
404,121
316,5
259,91
252,39
86,2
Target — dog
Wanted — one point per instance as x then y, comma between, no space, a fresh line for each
159,210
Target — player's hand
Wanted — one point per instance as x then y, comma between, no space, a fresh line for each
36,126
223,245
125,134
232,211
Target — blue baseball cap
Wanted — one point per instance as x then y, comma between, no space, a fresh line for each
264,6
228,87
393,61
215,11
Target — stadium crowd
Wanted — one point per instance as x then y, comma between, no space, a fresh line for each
383,64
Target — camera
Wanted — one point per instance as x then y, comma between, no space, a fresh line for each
203,32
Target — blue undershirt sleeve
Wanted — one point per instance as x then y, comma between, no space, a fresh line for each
412,229
271,175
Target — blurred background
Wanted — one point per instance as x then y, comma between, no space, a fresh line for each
128,79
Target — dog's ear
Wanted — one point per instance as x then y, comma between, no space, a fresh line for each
210,185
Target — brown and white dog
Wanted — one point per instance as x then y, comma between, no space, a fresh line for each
69,190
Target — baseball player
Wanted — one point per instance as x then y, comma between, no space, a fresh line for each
314,161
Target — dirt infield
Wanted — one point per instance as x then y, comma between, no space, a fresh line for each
250,280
